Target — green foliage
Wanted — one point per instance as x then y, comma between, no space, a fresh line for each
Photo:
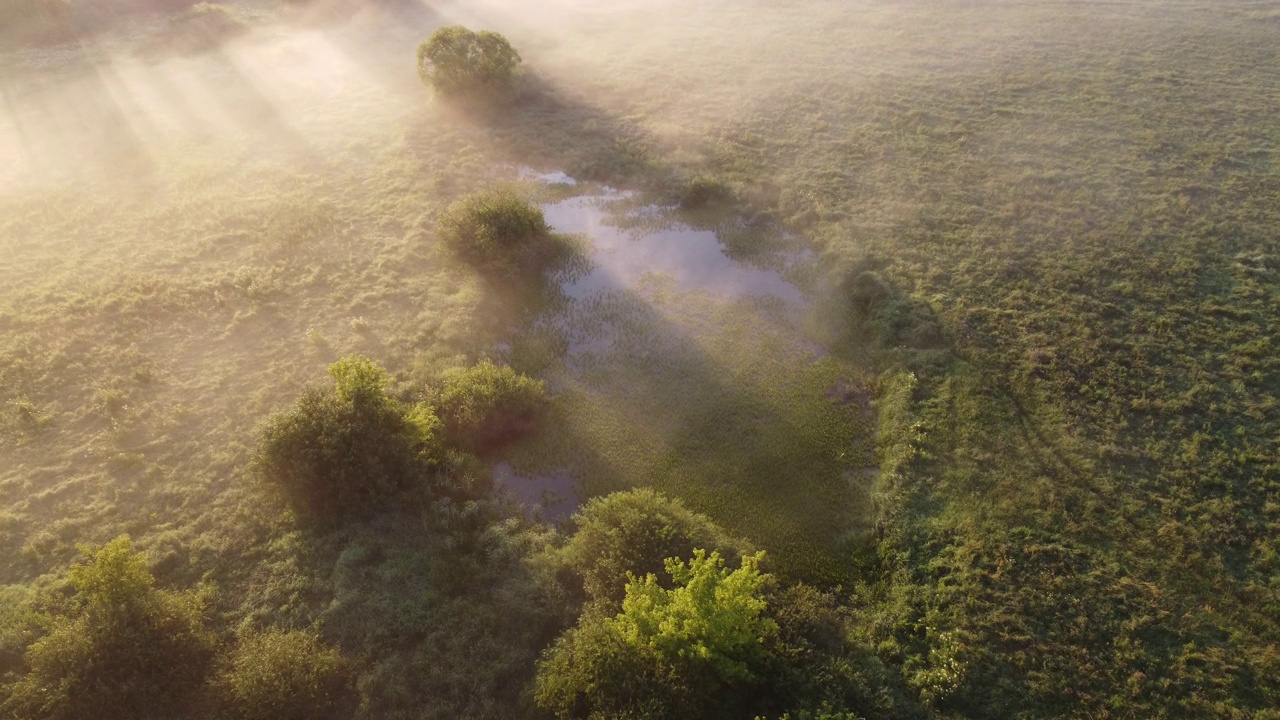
278,675
120,650
348,450
695,650
702,191
713,616
635,532
485,406
498,233
459,63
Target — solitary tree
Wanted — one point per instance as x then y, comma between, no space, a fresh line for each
459,63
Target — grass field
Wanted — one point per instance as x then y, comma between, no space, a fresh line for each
1076,508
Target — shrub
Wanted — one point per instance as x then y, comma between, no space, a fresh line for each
486,406
120,648
15,625
348,450
635,532
459,63
497,232
703,191
890,317
278,675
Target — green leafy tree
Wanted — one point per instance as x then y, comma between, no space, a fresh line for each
350,449
460,63
120,649
702,648
714,617
279,675
635,532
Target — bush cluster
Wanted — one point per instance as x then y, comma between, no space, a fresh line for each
889,317
280,675
635,532
703,191
353,449
118,648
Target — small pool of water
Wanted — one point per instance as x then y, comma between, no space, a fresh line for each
549,178
621,257
552,497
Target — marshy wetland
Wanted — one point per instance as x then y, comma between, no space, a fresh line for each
391,389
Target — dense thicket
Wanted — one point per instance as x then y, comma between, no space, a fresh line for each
347,450
118,648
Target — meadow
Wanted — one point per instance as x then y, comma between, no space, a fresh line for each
1024,435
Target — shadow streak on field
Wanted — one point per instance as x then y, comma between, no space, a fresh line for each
76,122
548,127
733,419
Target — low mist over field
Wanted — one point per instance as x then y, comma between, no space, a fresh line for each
923,355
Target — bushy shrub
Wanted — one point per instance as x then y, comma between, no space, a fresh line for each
486,406
278,675
119,649
888,316
459,63
350,449
702,191
497,232
635,532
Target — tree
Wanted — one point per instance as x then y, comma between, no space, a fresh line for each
348,450
459,63
635,532
699,649
119,650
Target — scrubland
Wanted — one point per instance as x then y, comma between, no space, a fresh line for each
1020,443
